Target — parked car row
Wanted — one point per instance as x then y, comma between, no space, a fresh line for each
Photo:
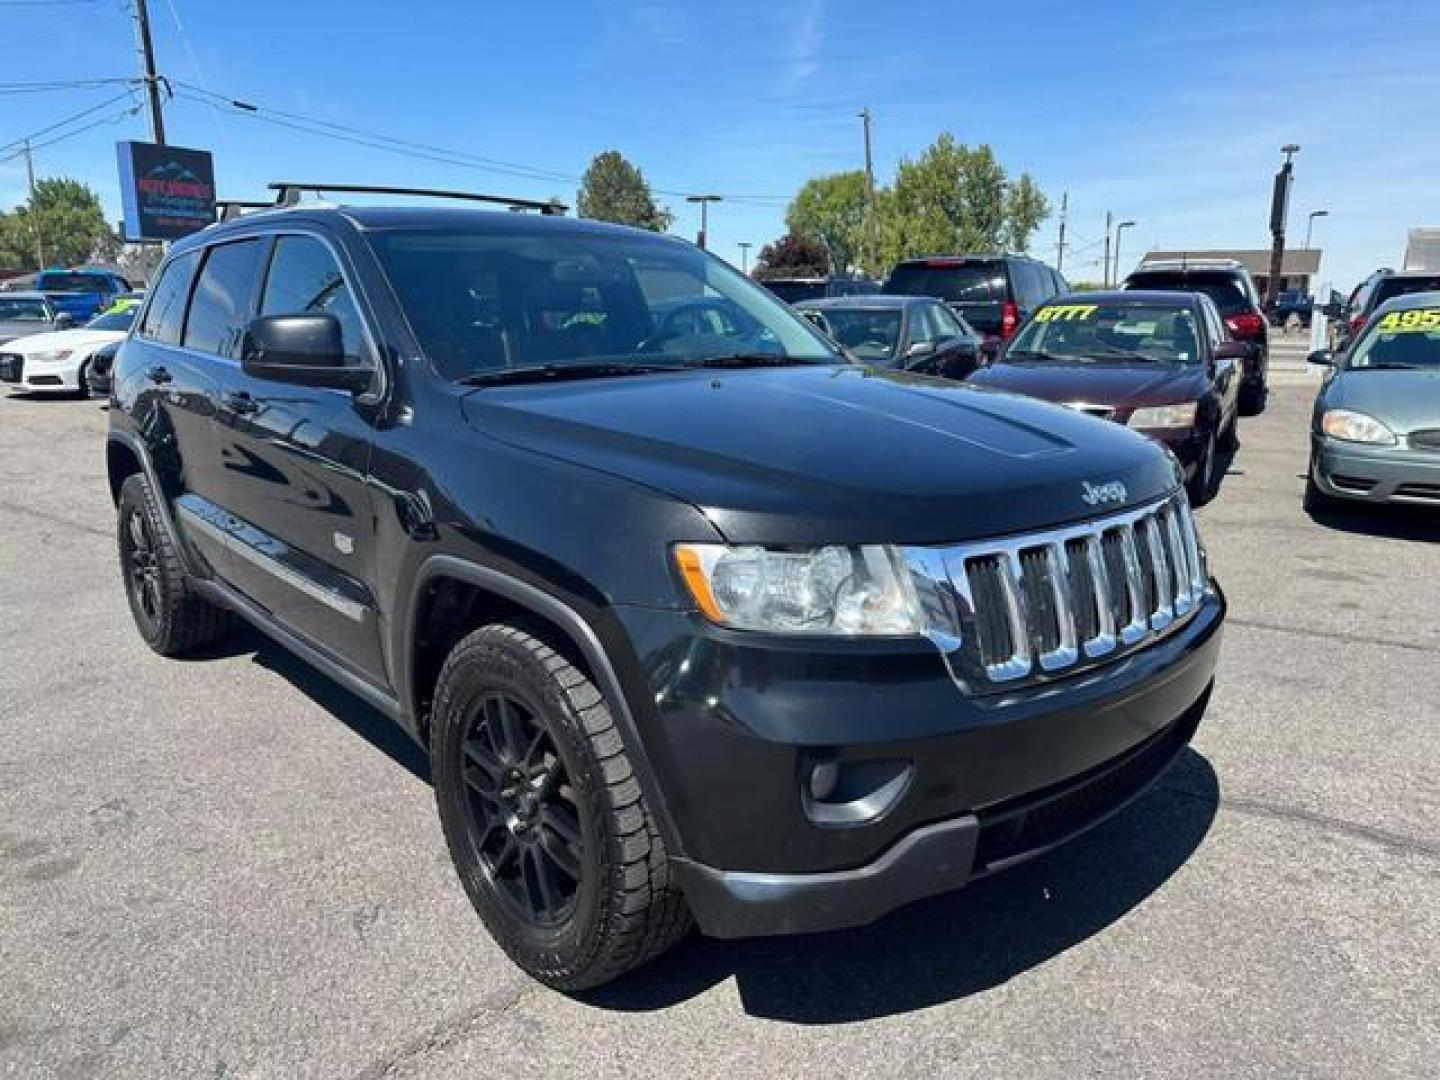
62,359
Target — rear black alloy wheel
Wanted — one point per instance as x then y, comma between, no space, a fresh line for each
523,816
545,820
169,614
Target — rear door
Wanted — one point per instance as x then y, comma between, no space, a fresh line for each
174,404
296,461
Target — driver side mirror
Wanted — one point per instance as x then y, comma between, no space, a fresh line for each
1322,357
989,351
1232,350
306,350
920,348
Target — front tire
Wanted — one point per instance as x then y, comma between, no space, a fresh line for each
1253,398
1201,487
82,381
169,615
543,815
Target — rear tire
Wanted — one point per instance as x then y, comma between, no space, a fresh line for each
169,615
544,818
1253,399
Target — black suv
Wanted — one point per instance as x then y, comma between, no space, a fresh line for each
1230,286
693,623
993,293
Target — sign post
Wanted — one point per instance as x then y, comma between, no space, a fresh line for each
167,192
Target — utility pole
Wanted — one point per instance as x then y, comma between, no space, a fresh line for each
1060,247
30,172
871,266
151,80
704,201
1105,273
1279,211
745,247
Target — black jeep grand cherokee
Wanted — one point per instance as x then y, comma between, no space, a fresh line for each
695,618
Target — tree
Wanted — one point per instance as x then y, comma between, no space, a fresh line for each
952,198
1025,208
69,219
792,255
612,189
832,209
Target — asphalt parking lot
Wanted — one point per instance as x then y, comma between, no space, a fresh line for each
230,867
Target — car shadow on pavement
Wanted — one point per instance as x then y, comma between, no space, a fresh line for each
363,719
1395,522
948,947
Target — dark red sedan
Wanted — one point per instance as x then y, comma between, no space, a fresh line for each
1161,363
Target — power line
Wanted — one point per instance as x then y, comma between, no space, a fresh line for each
49,86
112,118
68,120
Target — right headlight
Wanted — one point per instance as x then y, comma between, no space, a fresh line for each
1350,426
854,590
1181,415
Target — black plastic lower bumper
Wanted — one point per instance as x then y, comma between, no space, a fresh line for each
934,858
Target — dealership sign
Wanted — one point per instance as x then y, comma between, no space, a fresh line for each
167,191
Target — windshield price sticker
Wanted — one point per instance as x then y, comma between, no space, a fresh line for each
1418,320
1066,312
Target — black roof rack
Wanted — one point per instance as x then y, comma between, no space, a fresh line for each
230,209
288,194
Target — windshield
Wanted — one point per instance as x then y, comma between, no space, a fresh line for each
1400,339
71,283
1391,287
972,282
23,310
483,302
1227,291
1110,331
113,319
871,334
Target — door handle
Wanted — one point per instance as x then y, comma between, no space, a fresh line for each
159,374
240,401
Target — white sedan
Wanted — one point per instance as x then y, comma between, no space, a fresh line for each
57,361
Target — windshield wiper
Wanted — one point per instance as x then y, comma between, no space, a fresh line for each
1390,365
744,360
555,372
1049,358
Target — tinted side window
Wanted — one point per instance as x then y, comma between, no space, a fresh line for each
1025,281
305,279
224,298
166,314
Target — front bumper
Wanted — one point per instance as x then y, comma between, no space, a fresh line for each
18,372
1375,474
985,781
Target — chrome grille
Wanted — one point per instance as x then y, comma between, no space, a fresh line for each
1018,610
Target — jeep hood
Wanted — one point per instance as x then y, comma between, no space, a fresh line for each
1121,386
832,454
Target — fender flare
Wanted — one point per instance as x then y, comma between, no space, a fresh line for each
580,633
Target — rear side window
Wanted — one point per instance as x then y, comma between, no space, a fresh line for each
1032,287
305,279
224,298
1391,287
165,316
973,281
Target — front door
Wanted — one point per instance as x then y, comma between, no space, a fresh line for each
295,460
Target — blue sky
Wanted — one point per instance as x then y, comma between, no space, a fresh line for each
1167,113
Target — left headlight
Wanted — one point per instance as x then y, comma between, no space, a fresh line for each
53,356
1181,415
1351,426
837,590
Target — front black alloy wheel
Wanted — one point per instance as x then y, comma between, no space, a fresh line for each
1201,487
523,815
546,823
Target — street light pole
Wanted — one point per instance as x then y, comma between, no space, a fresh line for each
1105,267
1118,230
704,201
1310,224
745,247
870,267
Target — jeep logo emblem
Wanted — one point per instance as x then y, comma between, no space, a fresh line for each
1096,494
